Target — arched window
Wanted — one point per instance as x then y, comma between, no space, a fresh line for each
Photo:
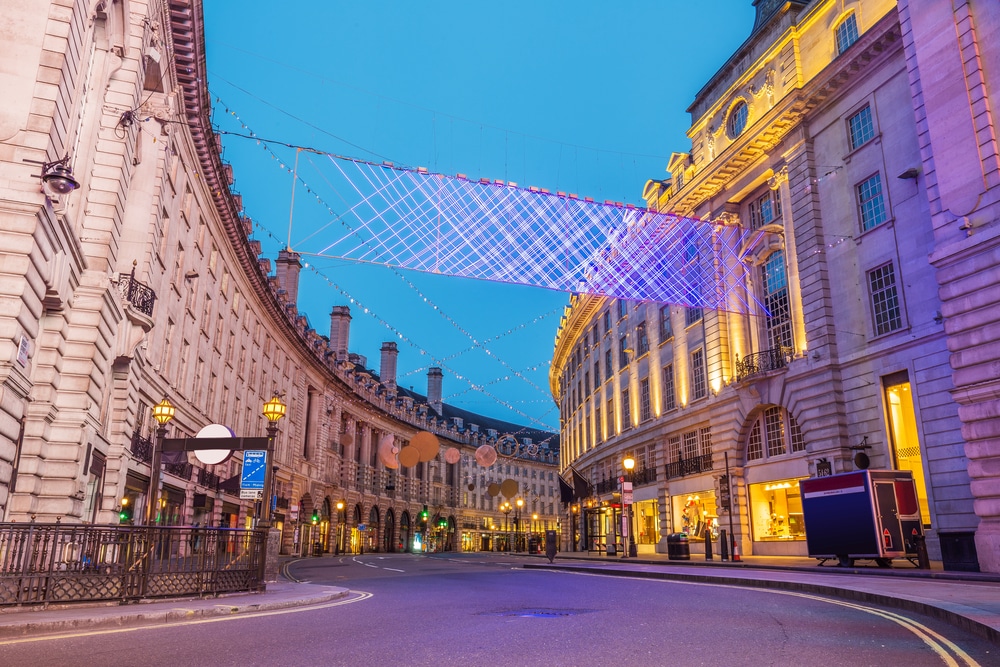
773,433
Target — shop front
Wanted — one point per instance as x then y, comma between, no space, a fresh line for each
775,509
693,511
646,519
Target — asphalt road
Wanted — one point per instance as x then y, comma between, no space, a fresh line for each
482,609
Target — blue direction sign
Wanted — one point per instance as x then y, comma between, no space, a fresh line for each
254,466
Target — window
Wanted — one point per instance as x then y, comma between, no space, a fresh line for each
705,441
774,428
607,321
622,308
885,301
846,33
737,120
586,380
644,411
860,127
642,340
690,445
699,389
598,434
769,434
597,375
669,401
673,448
904,435
692,316
610,417
666,331
608,369
626,410
622,353
765,209
775,282
870,203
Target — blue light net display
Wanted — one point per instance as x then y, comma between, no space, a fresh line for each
493,230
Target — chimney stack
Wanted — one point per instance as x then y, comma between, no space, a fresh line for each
287,268
434,380
340,331
387,368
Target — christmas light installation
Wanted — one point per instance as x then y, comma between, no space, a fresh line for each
494,230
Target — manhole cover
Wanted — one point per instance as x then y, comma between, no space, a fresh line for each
538,613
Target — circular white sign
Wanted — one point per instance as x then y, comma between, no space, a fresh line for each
214,456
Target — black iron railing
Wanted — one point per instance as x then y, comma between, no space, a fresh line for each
142,448
42,563
691,466
644,476
136,293
762,362
609,485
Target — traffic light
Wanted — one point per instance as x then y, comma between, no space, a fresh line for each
442,522
423,515
125,513
315,517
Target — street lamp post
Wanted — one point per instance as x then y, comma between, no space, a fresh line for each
506,509
629,463
517,525
341,518
162,413
273,410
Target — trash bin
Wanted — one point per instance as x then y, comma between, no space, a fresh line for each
532,545
317,548
678,547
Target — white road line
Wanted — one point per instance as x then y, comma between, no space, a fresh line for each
361,596
393,569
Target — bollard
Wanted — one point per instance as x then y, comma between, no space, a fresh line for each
708,545
920,542
723,545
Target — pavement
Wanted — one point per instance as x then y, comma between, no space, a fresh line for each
968,600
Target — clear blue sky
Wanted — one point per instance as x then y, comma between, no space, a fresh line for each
586,97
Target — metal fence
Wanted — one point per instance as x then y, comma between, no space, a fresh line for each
43,563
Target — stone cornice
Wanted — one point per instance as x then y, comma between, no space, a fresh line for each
872,48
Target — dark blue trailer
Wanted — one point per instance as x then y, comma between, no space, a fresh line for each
863,514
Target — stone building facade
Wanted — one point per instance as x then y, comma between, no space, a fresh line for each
143,282
823,135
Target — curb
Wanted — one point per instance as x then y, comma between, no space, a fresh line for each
934,611
135,616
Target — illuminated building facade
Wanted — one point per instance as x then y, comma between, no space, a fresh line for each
133,277
814,136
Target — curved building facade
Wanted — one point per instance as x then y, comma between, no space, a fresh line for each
129,275
809,138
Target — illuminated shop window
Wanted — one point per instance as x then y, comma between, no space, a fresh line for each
776,511
904,435
696,514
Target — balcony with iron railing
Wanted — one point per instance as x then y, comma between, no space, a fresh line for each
644,476
759,363
139,296
692,466
142,448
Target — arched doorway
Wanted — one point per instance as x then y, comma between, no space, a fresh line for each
388,534
404,532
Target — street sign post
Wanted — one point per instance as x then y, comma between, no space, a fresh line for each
254,468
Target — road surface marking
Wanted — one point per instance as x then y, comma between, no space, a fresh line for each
360,597
937,642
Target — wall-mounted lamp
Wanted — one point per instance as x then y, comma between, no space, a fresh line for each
57,177
938,317
912,172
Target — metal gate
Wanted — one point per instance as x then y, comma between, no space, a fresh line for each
56,563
